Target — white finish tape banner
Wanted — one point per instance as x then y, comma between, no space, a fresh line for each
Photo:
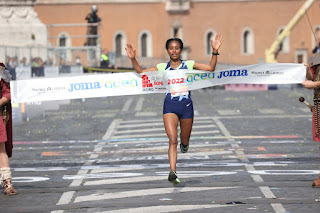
175,81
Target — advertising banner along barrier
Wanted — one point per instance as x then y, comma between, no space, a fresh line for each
131,83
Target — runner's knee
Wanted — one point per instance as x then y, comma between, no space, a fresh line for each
173,141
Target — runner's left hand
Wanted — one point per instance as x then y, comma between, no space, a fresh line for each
216,43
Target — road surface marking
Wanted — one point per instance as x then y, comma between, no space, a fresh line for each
149,178
144,192
126,106
139,104
66,198
278,207
164,209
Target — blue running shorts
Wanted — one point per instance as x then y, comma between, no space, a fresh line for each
183,109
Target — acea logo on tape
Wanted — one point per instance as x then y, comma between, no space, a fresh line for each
108,85
211,75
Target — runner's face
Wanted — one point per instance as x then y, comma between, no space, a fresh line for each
174,50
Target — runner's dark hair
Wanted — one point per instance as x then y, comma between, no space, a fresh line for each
174,39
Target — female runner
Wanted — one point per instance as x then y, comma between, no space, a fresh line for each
177,108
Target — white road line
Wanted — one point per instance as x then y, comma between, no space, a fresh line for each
97,149
160,140
76,183
271,111
111,129
207,147
229,112
267,192
126,106
123,180
139,123
151,129
184,155
66,198
163,134
202,156
146,114
257,178
93,156
153,123
196,119
110,115
142,179
169,208
139,104
144,192
277,207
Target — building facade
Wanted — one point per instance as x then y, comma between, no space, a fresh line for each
248,27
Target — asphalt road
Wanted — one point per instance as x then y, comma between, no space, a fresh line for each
249,152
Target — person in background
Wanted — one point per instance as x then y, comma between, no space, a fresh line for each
5,131
23,62
92,18
313,82
104,59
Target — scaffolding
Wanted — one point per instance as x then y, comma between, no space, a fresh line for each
59,46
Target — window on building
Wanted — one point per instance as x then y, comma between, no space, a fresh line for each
300,58
119,45
144,38
317,32
284,45
145,44
62,41
175,32
208,43
281,44
316,40
247,42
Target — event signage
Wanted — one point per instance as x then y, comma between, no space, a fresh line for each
177,82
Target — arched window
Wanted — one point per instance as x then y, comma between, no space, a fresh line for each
118,45
209,36
284,45
177,30
247,42
145,44
64,40
207,41
315,38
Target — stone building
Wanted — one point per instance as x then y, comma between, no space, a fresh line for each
249,27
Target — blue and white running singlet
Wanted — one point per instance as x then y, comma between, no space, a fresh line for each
182,105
